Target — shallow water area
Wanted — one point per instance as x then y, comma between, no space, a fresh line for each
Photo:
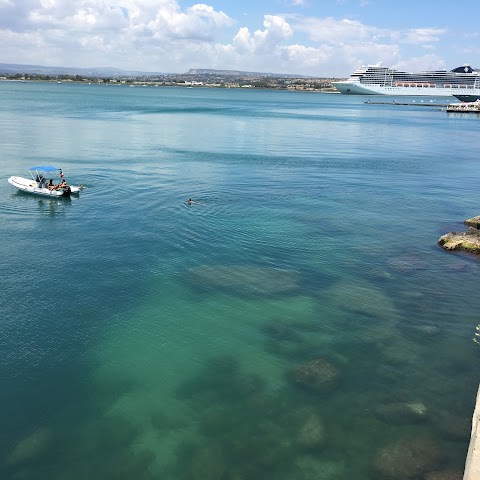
298,321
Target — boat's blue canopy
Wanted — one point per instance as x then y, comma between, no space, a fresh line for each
45,168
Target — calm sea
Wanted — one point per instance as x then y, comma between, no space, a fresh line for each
297,322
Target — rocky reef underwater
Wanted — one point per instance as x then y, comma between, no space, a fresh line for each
361,396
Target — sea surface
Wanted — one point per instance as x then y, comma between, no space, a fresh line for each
298,321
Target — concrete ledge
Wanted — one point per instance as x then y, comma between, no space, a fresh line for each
472,464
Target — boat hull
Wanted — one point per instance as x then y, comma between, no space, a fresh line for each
354,88
34,188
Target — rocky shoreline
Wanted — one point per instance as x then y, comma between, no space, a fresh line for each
468,241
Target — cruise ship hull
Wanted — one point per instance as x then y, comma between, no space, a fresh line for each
467,98
352,88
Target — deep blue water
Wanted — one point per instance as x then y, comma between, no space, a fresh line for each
146,338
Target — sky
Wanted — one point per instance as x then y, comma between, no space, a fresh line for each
321,38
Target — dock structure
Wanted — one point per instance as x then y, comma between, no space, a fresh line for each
410,104
465,107
472,464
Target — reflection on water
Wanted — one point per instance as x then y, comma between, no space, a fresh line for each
52,208
22,203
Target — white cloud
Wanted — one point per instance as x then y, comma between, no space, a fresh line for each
337,31
342,31
48,3
306,58
163,18
160,35
276,30
425,62
94,32
423,35
77,16
242,42
197,22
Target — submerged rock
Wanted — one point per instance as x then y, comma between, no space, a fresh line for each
318,375
245,279
281,331
408,263
316,469
402,352
360,298
402,413
406,459
31,447
453,427
468,241
208,464
425,330
312,433
281,338
444,475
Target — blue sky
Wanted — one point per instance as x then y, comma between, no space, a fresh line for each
329,38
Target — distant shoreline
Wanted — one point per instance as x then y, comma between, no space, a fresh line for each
302,87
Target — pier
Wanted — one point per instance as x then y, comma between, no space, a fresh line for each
414,104
465,107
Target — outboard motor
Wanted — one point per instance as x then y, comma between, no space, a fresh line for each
67,192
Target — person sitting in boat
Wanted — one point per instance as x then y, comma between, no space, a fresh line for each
51,186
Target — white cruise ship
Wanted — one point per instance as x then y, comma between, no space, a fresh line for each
378,80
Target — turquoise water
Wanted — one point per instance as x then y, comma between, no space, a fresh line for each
146,338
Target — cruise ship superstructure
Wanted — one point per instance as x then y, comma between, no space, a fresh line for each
379,80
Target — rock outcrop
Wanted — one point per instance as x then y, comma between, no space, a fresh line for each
473,222
468,241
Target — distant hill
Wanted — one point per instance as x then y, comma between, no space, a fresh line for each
238,73
12,68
